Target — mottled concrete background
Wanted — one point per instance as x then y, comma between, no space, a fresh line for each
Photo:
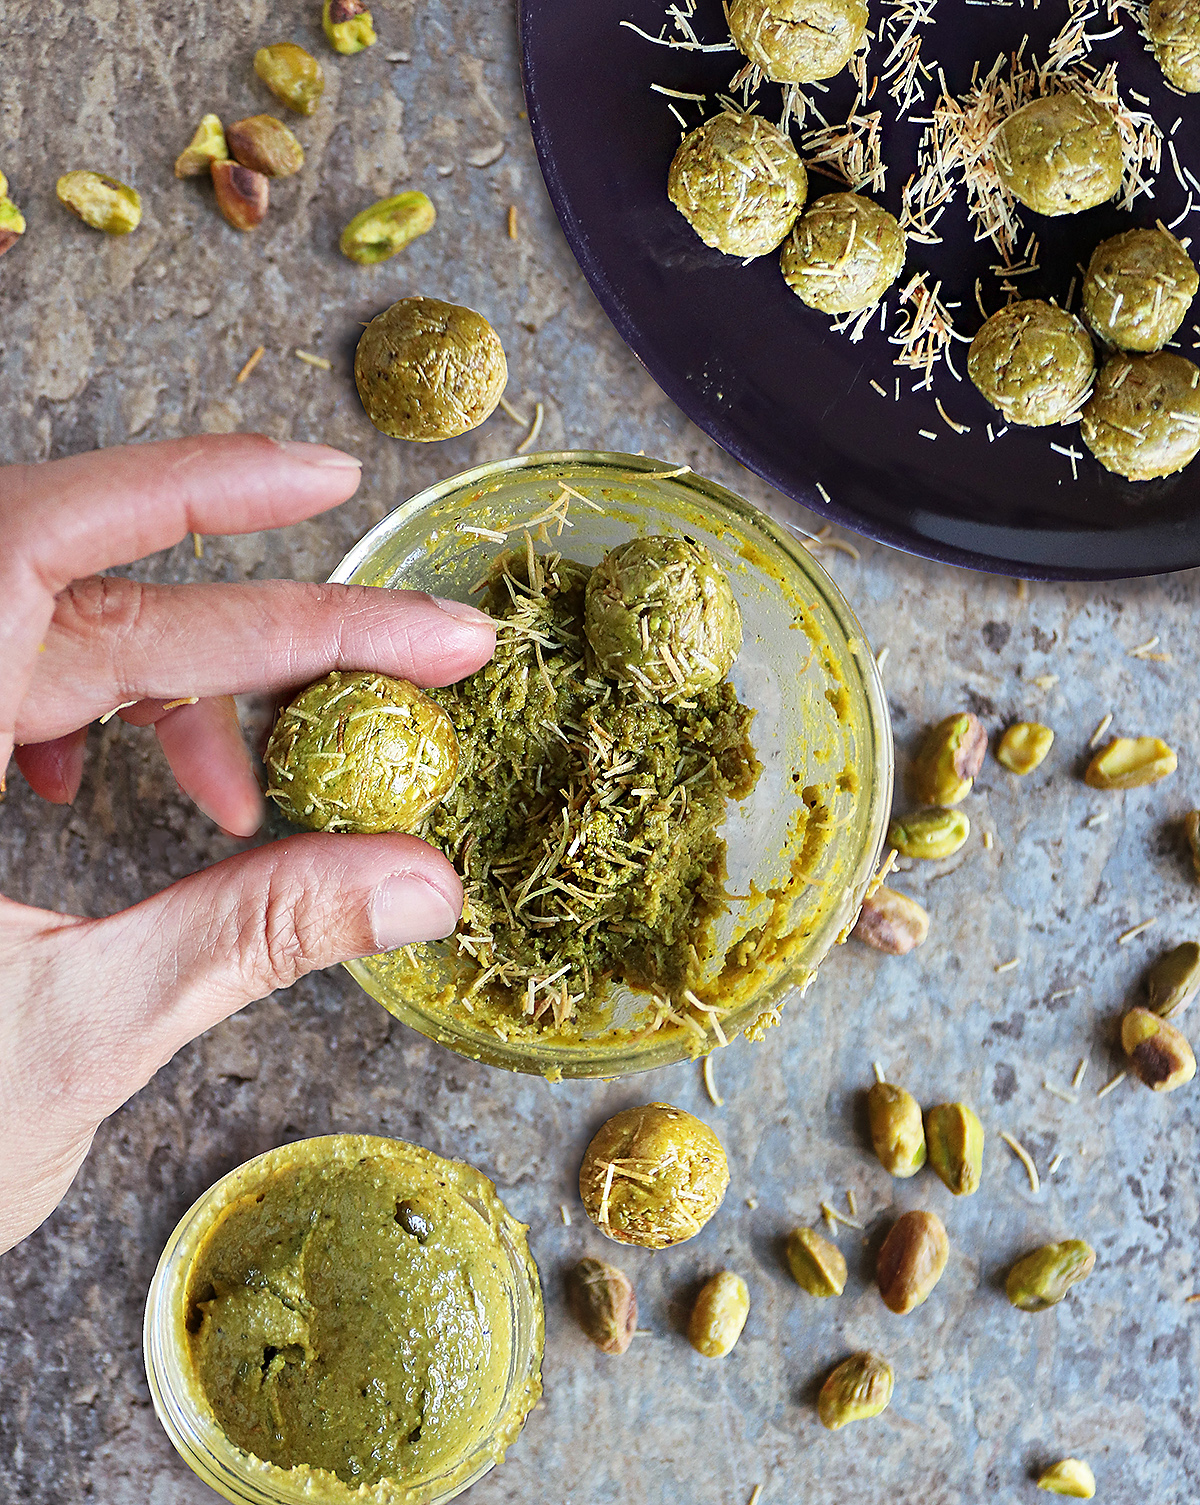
105,341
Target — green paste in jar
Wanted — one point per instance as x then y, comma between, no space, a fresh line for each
349,1313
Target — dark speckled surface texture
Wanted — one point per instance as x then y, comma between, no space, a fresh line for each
104,341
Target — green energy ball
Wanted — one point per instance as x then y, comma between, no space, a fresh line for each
1033,361
429,370
1060,154
844,253
360,752
660,614
739,182
797,41
1173,27
1143,419
1138,289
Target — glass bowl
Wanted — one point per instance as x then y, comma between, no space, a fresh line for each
183,1408
802,846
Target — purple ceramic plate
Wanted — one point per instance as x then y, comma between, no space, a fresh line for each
769,379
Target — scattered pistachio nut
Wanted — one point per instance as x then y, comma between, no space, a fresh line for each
387,227
897,1129
1024,746
1043,1278
818,1266
1128,762
1159,1054
12,222
265,145
1173,980
929,833
1191,829
207,146
292,75
604,1303
719,1315
100,201
950,757
1070,1477
243,195
858,1389
348,26
954,1138
891,922
911,1261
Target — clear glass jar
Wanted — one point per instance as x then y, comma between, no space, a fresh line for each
179,1398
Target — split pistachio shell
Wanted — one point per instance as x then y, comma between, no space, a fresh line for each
292,75
348,26
387,227
1043,1278
1191,829
265,145
911,1261
1070,1477
1128,762
207,146
858,1389
604,1304
1159,1054
950,757
891,922
243,195
929,833
954,1138
719,1315
12,223
1173,980
897,1130
101,202
818,1266
1024,745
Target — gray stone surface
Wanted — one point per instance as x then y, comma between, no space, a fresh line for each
105,341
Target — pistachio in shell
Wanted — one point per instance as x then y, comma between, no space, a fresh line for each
817,1266
911,1261
954,1137
604,1303
1043,1278
950,756
859,1388
719,1315
1157,1051
897,1129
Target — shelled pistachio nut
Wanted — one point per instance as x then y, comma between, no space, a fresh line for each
719,1315
292,75
3,186
1043,1278
891,922
207,146
929,833
604,1303
12,222
265,145
376,233
1159,1054
897,1129
911,1261
1173,980
951,755
858,1389
1191,830
100,201
817,1266
1024,746
1070,1477
954,1138
243,195
348,26
1128,762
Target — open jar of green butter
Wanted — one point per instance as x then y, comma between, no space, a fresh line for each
345,1318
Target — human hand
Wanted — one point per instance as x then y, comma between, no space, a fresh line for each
91,1008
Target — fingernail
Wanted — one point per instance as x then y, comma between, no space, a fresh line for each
405,909
461,612
323,455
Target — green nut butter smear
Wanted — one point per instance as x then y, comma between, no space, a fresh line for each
349,1312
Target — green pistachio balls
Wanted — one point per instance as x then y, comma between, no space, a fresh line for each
844,253
361,752
429,370
739,182
1060,154
1173,27
1138,289
1143,419
660,614
1033,361
797,41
